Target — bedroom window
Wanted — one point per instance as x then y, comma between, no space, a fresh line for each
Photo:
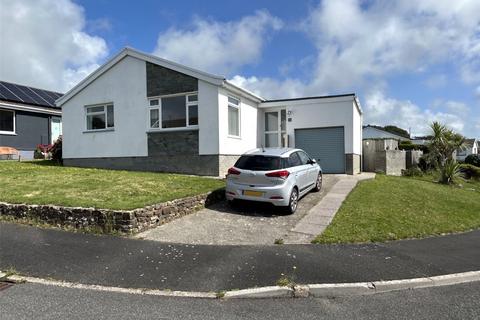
100,117
7,122
233,117
178,111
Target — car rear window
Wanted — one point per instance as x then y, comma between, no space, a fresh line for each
260,163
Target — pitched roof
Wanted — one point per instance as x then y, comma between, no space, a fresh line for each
469,142
127,51
17,93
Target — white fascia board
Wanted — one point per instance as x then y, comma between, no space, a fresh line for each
34,109
300,101
241,91
217,80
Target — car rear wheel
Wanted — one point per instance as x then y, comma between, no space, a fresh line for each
318,183
293,203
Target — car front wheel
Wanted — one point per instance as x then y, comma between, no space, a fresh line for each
293,203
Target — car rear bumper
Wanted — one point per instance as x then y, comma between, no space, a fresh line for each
276,195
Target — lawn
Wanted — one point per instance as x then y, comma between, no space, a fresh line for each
390,208
41,182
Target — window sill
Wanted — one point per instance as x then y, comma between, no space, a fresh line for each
234,137
8,133
192,128
99,130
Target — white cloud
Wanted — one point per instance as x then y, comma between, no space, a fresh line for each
360,44
44,44
218,47
382,110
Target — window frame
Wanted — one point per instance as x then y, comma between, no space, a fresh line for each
158,107
14,132
104,112
239,121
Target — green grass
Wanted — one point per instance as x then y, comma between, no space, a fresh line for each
390,208
41,182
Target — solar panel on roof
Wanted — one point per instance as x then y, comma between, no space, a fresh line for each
7,93
15,91
31,98
18,93
40,98
44,95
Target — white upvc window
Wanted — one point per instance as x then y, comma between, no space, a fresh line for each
233,116
7,122
173,111
100,117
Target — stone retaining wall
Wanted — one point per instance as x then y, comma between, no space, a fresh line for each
124,221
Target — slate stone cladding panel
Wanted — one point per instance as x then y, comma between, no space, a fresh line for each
173,143
162,81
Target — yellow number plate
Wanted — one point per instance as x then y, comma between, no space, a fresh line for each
252,193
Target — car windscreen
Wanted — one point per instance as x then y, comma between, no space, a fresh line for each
260,163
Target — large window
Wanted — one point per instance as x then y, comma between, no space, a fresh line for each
7,121
233,117
179,111
100,117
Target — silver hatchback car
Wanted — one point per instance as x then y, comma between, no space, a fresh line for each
280,176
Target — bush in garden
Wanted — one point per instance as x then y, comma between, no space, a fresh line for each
473,159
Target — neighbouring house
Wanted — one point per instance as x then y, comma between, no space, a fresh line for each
421,141
28,117
374,132
471,146
142,112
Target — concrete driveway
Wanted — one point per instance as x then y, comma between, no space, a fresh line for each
245,223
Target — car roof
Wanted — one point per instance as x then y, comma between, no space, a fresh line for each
273,152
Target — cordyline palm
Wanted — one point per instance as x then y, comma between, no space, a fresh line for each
443,145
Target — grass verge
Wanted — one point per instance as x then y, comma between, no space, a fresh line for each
41,182
391,208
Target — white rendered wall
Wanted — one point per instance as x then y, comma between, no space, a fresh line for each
208,123
318,113
124,85
357,130
248,125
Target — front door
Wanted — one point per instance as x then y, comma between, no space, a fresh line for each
276,128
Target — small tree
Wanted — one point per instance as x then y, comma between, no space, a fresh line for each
442,147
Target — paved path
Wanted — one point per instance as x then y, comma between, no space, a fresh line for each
321,215
32,301
131,263
247,223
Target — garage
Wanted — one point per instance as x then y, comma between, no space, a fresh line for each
326,145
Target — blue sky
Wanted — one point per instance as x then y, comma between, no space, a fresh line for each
410,62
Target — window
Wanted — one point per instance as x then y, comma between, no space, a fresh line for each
179,111
294,160
276,128
173,112
7,121
260,163
192,110
303,157
100,117
233,117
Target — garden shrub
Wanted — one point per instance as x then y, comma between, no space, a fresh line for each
470,171
473,159
412,172
56,150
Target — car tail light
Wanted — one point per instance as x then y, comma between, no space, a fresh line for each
233,171
278,174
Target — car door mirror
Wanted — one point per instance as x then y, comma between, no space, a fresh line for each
312,161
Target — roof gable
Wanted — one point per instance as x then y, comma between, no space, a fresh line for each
210,78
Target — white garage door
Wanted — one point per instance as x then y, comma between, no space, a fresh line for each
326,145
